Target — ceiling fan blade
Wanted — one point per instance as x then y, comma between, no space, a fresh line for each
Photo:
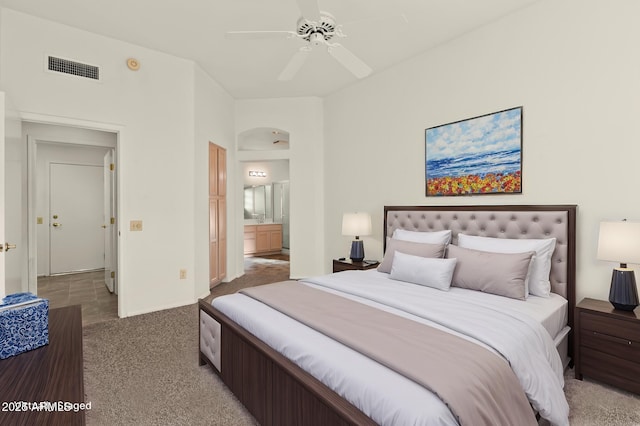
349,60
309,9
251,35
294,64
397,18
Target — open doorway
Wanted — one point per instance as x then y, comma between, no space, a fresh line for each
265,180
73,179
266,214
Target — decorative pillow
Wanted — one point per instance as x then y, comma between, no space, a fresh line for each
408,247
539,284
430,272
498,273
431,237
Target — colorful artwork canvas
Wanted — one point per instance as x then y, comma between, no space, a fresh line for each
480,155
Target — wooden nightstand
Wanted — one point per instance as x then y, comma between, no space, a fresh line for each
348,265
607,346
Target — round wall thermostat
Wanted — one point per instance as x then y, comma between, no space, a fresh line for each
133,64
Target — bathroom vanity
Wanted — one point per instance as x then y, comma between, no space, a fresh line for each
262,238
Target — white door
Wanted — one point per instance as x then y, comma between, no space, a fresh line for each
109,216
2,242
76,209
13,243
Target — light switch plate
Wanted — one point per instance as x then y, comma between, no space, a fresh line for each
135,225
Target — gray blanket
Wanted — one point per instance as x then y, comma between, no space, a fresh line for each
477,385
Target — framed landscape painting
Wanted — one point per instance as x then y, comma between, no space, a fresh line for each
480,155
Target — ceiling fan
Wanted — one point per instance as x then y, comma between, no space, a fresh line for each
316,28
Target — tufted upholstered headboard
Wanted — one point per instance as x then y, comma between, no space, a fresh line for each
537,221
499,222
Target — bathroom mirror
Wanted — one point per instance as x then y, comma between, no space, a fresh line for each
258,203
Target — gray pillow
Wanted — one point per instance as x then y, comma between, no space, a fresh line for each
497,273
409,247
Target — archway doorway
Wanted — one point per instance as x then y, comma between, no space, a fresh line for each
265,185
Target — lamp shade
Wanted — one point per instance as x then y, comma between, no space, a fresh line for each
619,242
356,224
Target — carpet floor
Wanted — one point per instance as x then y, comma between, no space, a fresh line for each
143,370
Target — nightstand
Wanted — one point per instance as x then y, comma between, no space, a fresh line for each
348,265
607,346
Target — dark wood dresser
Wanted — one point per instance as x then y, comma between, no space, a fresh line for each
50,374
608,344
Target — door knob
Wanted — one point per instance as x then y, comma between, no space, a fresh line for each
7,247
56,224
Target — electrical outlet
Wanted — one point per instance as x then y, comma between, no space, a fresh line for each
183,274
135,225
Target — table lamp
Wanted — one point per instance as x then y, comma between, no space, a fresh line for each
356,224
620,242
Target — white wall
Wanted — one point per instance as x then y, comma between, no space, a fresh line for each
573,66
154,108
303,119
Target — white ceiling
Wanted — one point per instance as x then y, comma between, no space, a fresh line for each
195,29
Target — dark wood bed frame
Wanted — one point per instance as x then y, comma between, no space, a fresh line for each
278,392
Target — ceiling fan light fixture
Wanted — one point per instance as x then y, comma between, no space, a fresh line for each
317,39
316,28
325,26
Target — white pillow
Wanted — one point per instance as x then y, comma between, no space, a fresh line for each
435,237
538,279
430,272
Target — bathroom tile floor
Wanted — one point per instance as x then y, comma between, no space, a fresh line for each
85,289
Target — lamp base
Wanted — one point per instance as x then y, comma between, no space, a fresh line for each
357,251
623,294
620,307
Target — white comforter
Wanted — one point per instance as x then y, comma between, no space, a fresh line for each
383,395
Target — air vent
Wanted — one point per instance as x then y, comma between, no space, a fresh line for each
74,68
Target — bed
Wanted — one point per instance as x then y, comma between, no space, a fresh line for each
286,372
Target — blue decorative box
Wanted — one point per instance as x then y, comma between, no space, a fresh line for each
24,323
